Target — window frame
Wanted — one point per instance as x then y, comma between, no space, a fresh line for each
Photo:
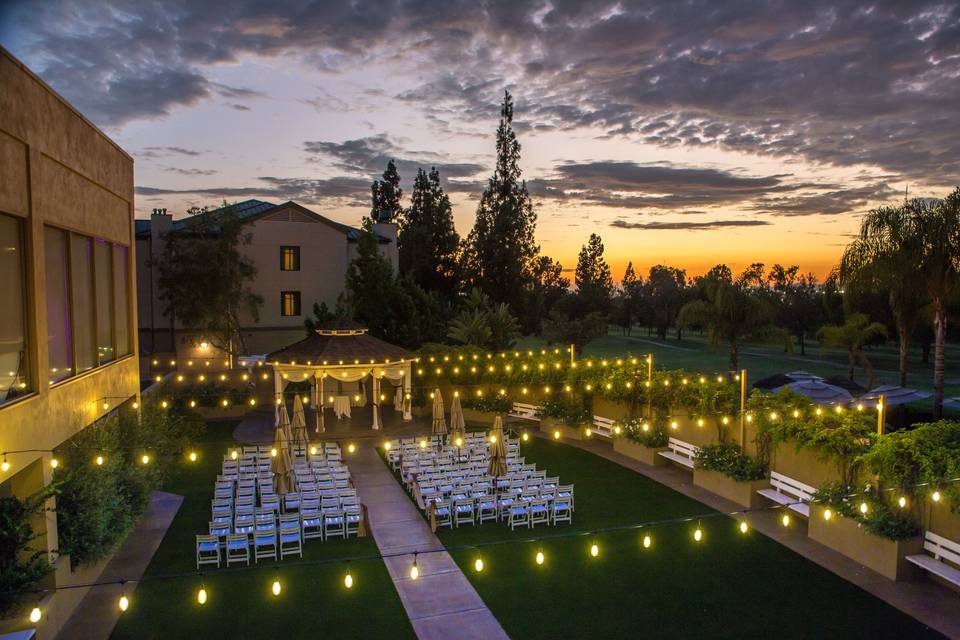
294,252
28,378
295,299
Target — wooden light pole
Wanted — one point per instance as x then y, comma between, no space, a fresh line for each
743,409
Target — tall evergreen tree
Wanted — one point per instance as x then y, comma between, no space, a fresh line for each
593,277
428,241
386,194
501,249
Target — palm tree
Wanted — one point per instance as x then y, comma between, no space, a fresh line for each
852,335
729,311
937,225
885,255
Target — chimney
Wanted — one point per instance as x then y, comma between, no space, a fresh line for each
160,223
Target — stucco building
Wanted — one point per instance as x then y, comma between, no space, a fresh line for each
68,347
301,259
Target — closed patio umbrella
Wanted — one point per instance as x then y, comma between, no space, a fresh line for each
439,420
282,463
458,428
283,424
398,399
498,450
298,426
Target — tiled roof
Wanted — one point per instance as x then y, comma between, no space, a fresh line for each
246,210
354,347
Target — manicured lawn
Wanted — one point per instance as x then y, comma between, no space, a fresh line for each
729,585
313,602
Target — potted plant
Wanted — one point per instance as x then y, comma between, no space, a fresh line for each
641,441
726,471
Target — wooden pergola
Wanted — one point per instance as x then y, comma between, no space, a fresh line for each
343,351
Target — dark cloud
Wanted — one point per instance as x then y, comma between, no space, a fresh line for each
827,203
159,152
687,226
240,107
844,83
190,172
369,156
661,186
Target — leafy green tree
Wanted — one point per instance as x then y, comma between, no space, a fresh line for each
428,242
885,255
22,562
854,334
593,277
484,324
385,195
731,309
320,316
501,250
576,329
205,277
937,226
798,309
549,287
664,294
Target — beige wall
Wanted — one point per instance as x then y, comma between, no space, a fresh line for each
56,168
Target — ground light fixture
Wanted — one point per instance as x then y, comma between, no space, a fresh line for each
525,436
414,569
556,435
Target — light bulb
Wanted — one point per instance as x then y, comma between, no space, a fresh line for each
35,615
352,447
785,520
827,514
616,430
647,541
493,439
5,466
233,454
588,431
556,435
478,565
386,445
193,456
743,526
276,588
698,534
539,557
423,444
673,425
348,581
124,603
902,502
594,550
459,442
273,452
863,507
99,461
313,451
202,596
145,459
414,571
54,463
525,436
936,496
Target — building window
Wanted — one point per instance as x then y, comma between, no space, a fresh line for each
59,339
120,299
289,258
103,279
289,303
14,373
82,302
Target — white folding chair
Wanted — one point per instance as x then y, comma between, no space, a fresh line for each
238,549
208,550
265,545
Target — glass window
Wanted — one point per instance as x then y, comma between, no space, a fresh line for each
14,374
120,299
290,258
58,304
289,303
103,275
81,300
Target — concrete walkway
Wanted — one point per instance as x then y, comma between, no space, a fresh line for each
931,604
442,603
97,614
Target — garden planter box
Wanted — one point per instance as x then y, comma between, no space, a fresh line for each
646,455
846,536
483,418
549,426
743,493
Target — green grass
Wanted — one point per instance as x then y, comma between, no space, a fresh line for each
313,603
729,585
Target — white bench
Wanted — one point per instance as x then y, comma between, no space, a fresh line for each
939,547
602,426
525,411
789,492
680,452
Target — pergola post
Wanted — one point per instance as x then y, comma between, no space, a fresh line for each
376,400
318,401
277,395
407,392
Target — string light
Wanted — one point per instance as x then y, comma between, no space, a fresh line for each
743,526
124,603
202,596
863,507
647,541
478,564
414,569
539,558
902,502
698,534
352,447
525,436
348,580
556,435
276,587
5,466
193,456
594,550
936,496
99,461
827,514
35,615
233,454
54,463
145,459
785,520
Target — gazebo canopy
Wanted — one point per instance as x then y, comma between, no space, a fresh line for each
340,342
894,395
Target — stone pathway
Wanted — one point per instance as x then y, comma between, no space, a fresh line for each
98,613
442,603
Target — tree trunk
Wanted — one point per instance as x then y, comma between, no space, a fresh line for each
803,344
733,355
850,364
867,367
904,346
940,330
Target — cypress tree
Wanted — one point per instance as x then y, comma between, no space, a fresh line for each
385,195
428,241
